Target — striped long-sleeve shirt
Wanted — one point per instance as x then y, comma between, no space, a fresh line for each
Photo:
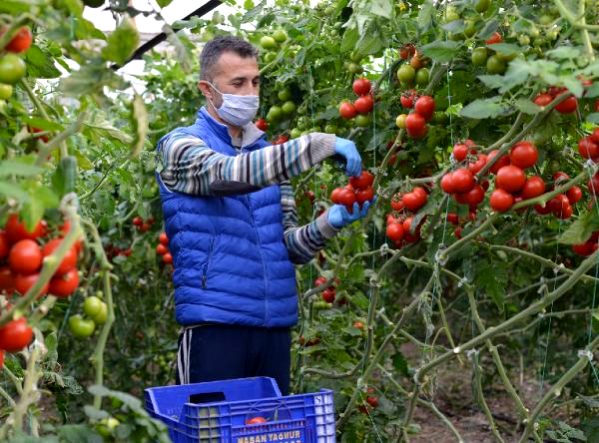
189,166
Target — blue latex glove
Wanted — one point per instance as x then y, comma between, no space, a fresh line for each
338,215
347,149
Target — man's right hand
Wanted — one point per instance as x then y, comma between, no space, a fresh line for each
347,149
339,216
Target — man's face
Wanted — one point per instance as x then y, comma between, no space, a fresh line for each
232,75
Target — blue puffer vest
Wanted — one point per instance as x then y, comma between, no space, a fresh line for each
230,260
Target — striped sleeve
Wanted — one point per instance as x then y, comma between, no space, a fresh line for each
303,242
188,165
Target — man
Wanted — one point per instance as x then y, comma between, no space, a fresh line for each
230,217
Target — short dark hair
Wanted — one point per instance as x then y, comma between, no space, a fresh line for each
217,46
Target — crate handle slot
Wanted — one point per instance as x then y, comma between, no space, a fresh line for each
207,397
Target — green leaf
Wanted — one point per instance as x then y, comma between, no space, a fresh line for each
19,168
41,123
350,38
14,191
506,48
103,129
78,434
384,8
485,108
564,53
94,413
573,85
91,78
490,27
592,91
426,15
581,230
360,300
526,106
455,26
139,121
490,278
122,42
401,364
40,64
442,51
163,3
492,81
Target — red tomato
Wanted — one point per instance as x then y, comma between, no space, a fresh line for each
163,239
361,86
585,249
262,124
568,106
565,213
595,135
480,163
460,152
524,154
68,262
588,148
255,420
593,185
15,230
396,202
167,259
347,110
504,160
372,401
365,180
25,257
364,195
458,232
7,282
364,104
447,183
453,218
407,100
556,90
501,200
533,187
1,359
510,178
463,180
543,210
161,249
574,194
320,281
15,335
64,285
414,200
4,245
425,106
21,41
24,282
137,221
543,99
145,227
395,231
475,196
416,125
65,228
558,203
328,295
495,38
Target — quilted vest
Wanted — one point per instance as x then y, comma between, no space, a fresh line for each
230,261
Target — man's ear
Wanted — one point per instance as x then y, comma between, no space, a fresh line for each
205,89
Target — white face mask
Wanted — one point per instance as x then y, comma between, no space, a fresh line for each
237,110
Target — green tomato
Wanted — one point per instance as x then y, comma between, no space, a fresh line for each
279,35
268,42
303,123
482,5
80,327
319,305
534,32
406,73
506,57
270,57
5,91
545,19
355,57
12,68
363,121
92,306
295,133
284,94
106,426
524,39
479,56
354,68
102,315
330,128
470,28
288,107
422,77
274,113
495,65
451,14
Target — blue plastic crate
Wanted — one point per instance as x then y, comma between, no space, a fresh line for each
302,418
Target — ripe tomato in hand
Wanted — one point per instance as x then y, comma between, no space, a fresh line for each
68,262
364,195
510,178
416,125
15,335
501,200
361,86
64,285
364,181
25,257
524,154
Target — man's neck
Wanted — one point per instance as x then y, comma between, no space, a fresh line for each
234,131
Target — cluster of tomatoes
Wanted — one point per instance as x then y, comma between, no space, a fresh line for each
329,294
143,225
23,256
560,205
95,313
162,249
362,105
399,227
568,106
12,67
415,122
371,400
587,248
358,190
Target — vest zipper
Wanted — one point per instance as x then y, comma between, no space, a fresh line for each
207,264
262,260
